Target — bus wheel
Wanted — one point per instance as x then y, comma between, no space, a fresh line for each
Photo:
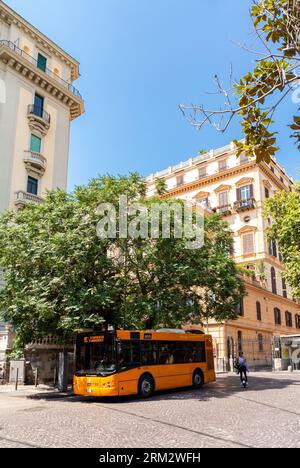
146,386
198,379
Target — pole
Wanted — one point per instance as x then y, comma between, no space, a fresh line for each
36,377
17,380
54,377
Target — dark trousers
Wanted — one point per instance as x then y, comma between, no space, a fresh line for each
243,374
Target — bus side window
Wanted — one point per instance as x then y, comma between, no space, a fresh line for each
167,353
148,353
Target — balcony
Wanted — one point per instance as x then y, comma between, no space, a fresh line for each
245,205
39,119
35,161
224,210
23,198
28,67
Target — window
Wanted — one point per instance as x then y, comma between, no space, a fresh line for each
258,311
244,159
202,172
239,308
38,105
42,62
277,316
180,180
35,144
246,192
245,196
273,280
148,353
223,199
288,319
297,321
248,243
284,288
32,185
166,353
223,165
128,355
267,193
260,343
204,202
272,169
273,248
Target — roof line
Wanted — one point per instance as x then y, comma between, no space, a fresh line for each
37,31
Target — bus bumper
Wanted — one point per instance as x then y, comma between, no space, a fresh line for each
95,386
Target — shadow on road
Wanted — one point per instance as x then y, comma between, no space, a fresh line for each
225,387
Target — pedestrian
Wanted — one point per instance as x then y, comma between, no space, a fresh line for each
242,368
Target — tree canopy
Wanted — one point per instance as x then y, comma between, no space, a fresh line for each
257,95
60,276
284,209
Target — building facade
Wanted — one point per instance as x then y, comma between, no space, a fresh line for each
38,101
238,188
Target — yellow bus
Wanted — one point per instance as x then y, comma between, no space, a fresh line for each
122,362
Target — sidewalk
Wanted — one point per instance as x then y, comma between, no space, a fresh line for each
32,391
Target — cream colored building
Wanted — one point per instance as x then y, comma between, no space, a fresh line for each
38,101
238,188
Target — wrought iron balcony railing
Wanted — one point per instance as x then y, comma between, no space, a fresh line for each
244,205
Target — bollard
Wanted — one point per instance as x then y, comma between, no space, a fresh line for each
17,380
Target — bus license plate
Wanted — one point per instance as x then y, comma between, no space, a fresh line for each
88,390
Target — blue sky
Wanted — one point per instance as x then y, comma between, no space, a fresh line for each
139,60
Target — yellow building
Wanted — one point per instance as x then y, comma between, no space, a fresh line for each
237,188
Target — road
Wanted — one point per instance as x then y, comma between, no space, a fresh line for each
219,415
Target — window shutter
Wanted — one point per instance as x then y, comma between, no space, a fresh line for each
248,244
238,194
251,191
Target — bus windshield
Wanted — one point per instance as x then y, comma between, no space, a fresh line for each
95,355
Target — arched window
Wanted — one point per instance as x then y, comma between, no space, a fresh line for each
258,310
260,343
297,321
273,280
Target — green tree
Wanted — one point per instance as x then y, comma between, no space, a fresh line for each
60,276
284,208
258,94
160,186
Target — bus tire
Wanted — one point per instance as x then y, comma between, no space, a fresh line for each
146,386
198,378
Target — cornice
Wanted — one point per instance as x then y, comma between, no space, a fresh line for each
267,171
9,16
52,86
211,179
